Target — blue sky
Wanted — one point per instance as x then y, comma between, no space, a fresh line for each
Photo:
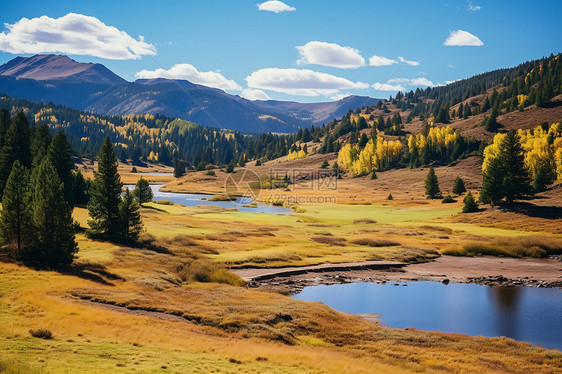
234,45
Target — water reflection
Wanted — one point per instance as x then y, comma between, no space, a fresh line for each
506,303
523,313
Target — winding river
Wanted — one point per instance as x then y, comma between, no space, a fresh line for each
190,199
527,314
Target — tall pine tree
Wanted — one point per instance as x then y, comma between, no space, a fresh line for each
105,195
60,155
15,221
432,185
492,183
16,147
54,240
516,183
131,224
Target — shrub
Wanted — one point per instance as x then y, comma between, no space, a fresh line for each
364,220
375,242
211,173
340,242
390,197
164,202
448,200
258,163
525,246
134,170
41,333
221,198
205,271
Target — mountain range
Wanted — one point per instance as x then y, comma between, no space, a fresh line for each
95,88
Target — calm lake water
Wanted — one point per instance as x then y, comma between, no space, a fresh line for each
527,314
190,199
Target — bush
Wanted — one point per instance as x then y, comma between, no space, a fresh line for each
340,242
375,242
221,198
448,200
211,173
41,333
390,197
134,170
525,246
258,163
205,271
164,202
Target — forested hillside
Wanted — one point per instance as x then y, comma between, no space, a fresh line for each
150,137
443,124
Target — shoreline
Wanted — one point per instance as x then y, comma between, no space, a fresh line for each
481,270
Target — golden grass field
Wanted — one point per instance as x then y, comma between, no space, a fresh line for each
172,306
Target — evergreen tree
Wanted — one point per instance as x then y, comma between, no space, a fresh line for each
179,167
81,187
105,195
4,124
432,185
16,147
492,183
39,143
516,183
54,240
458,187
130,219
60,155
142,191
470,204
15,221
543,178
491,123
363,140
324,165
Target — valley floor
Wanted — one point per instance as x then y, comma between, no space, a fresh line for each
171,305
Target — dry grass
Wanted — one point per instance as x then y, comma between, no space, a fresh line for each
366,221
329,240
375,242
524,246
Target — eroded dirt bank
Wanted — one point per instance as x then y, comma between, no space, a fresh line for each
480,270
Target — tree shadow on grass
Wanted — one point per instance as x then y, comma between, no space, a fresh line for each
93,272
532,210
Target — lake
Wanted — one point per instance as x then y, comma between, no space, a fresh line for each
527,314
191,199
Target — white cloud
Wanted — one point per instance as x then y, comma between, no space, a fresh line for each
407,62
330,54
340,96
472,7
388,87
275,6
451,66
190,73
462,38
412,82
300,82
74,34
381,61
251,94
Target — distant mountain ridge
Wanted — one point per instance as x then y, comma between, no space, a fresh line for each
58,67
93,87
